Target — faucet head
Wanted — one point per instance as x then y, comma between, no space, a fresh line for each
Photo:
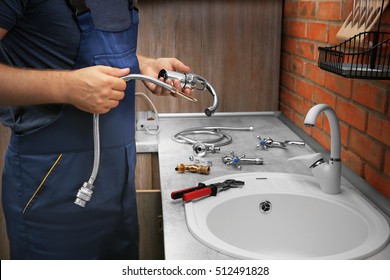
192,81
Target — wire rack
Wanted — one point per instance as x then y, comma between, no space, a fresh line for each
364,56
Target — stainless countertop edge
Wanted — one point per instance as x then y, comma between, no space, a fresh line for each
218,114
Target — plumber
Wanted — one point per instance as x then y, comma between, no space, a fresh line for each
60,61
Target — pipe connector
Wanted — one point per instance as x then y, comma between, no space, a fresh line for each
84,194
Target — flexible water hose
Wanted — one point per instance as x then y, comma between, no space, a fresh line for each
85,192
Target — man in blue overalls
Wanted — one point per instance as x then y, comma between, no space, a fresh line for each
50,153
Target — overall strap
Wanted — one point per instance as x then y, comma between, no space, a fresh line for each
79,6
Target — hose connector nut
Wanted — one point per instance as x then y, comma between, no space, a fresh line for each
84,194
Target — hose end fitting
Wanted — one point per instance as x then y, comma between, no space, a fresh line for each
84,194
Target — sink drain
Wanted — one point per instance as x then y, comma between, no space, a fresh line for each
265,206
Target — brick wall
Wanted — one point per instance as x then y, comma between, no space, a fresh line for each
363,106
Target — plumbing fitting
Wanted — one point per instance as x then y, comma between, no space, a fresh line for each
266,143
200,149
236,161
85,192
194,168
327,174
200,161
192,81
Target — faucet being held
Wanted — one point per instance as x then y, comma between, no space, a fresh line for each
193,81
327,174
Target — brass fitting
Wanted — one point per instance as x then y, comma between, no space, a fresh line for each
194,168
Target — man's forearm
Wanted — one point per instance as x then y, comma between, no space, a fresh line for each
19,86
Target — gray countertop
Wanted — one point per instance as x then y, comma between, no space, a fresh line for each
178,241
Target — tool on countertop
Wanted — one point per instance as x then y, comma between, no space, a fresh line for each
266,143
193,168
200,161
200,149
203,190
236,161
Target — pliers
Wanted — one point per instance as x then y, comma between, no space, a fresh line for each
203,190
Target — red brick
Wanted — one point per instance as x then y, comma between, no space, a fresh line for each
305,89
344,134
287,80
370,95
283,95
387,163
333,30
346,9
286,111
296,65
306,49
289,45
321,137
377,180
352,161
295,28
352,114
338,84
329,10
314,73
296,103
290,9
323,96
284,61
317,31
307,9
367,148
379,128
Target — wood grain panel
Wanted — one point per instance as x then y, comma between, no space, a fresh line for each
234,44
151,242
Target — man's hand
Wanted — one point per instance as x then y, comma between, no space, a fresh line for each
151,67
96,89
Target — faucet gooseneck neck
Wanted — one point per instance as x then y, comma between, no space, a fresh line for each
335,138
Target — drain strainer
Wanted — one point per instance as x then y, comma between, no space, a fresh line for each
265,206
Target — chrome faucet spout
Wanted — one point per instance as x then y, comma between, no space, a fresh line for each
335,140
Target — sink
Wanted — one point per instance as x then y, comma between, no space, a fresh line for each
286,216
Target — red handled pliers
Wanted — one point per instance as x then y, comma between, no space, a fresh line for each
203,190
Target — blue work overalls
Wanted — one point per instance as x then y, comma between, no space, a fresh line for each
45,169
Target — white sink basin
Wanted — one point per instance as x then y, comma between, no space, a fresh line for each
299,222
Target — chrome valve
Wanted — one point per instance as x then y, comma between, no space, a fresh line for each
236,161
266,143
200,149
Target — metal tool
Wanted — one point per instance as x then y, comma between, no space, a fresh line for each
200,149
218,139
237,161
203,190
193,168
266,143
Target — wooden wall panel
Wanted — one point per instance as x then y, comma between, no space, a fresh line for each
234,44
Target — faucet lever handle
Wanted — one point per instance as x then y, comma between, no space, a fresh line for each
309,160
